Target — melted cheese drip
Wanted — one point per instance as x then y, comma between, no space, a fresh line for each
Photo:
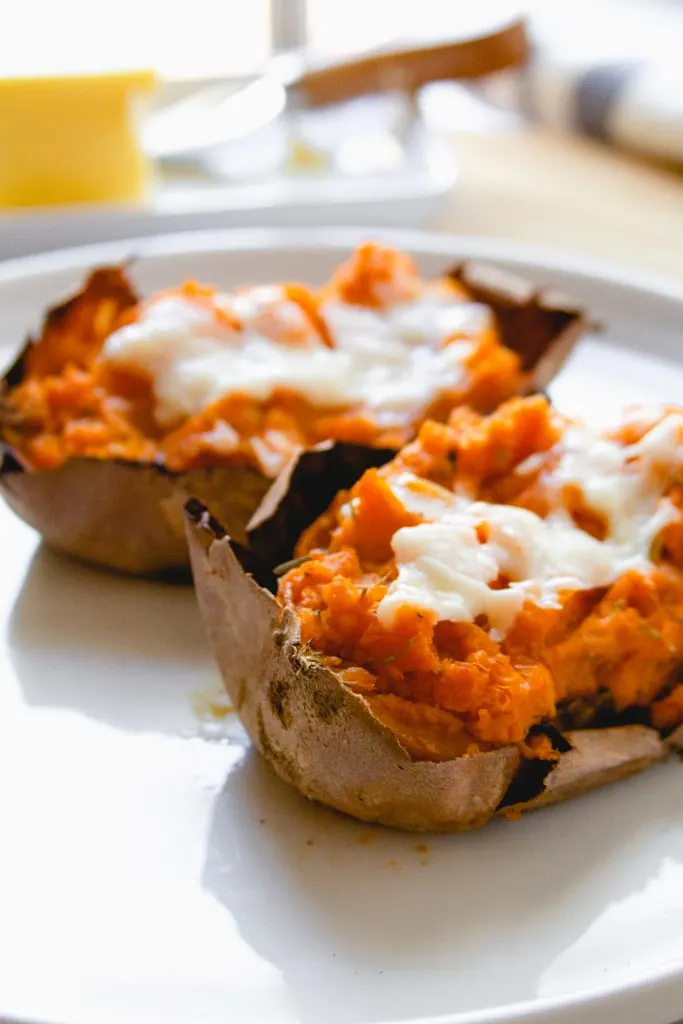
443,567
391,361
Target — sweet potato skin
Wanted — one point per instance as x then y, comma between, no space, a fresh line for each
675,740
302,492
540,324
127,516
597,757
323,739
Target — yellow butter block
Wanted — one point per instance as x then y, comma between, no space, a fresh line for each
72,139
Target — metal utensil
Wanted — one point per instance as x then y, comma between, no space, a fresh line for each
217,114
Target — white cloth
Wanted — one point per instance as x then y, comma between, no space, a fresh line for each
611,71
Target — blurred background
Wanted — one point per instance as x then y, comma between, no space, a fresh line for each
144,117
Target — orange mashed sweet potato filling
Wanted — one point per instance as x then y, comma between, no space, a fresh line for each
72,402
449,688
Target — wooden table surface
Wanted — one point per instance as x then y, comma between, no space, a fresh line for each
535,186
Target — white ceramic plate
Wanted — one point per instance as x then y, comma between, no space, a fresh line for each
152,869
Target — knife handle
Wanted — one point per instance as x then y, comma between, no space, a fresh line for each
410,68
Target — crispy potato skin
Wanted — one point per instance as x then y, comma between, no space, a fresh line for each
323,739
675,740
540,324
124,515
305,488
597,757
128,516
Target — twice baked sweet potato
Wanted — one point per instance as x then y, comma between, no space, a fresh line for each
324,739
85,464
441,716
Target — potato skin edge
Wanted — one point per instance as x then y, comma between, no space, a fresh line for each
541,325
126,516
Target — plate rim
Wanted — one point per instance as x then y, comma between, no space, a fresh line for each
217,240
625,1002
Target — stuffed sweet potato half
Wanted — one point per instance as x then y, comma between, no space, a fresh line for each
124,407
490,622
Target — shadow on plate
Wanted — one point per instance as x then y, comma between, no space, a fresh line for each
114,647
367,924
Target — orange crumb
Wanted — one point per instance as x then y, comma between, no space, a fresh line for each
514,814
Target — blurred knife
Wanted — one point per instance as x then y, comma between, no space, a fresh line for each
218,114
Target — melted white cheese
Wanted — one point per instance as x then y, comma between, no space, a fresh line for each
392,361
620,481
444,568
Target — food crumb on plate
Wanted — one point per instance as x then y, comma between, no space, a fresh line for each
212,703
514,814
